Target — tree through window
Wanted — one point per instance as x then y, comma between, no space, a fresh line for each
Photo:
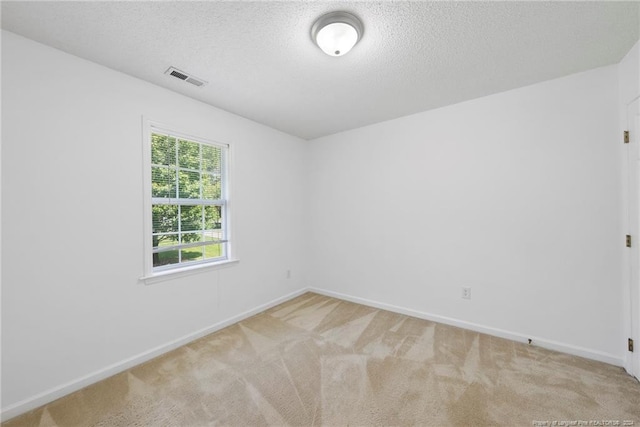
188,201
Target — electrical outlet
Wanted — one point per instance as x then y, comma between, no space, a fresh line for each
466,293
288,274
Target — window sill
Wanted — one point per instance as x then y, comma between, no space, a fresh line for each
186,271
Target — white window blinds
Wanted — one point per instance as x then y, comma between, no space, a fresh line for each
188,201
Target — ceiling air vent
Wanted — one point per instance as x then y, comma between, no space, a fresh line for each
185,76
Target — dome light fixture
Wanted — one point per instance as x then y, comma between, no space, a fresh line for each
336,32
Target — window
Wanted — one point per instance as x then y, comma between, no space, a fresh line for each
188,200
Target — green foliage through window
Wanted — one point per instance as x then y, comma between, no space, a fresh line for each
187,200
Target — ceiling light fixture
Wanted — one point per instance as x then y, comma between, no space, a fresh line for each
336,32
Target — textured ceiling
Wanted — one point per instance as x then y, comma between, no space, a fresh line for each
260,61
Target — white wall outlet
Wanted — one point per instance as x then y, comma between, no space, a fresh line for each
466,293
288,274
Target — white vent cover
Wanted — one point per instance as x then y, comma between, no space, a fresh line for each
172,71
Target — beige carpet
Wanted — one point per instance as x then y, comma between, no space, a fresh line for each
316,360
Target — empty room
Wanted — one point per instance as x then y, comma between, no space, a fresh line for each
320,213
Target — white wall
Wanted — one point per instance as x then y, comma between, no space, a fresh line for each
629,77
72,219
516,195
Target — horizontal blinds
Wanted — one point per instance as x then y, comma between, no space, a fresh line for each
188,200
182,169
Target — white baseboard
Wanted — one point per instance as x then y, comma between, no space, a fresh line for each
77,384
48,396
514,336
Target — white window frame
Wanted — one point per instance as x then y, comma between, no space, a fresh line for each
155,274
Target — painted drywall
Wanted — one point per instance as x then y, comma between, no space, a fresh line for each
515,195
72,221
628,93
629,76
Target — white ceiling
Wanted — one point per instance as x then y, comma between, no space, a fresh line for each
260,62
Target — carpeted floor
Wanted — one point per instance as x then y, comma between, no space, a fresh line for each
317,360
